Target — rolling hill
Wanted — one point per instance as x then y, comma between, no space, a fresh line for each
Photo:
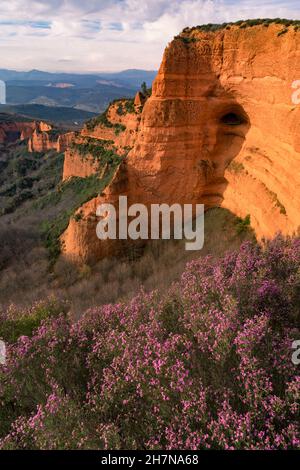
90,92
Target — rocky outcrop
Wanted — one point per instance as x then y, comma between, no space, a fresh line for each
41,142
64,141
44,126
118,125
111,135
80,163
44,139
11,131
139,99
41,135
220,128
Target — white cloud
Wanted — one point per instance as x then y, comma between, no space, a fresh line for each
111,34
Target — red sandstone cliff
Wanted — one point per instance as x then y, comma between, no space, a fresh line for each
11,131
41,135
46,138
118,125
220,128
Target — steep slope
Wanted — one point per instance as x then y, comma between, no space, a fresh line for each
118,125
220,128
101,148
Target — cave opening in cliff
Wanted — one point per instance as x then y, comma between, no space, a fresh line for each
233,119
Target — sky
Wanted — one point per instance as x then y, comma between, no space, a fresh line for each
111,35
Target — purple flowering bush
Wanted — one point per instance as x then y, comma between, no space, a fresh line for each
16,322
205,366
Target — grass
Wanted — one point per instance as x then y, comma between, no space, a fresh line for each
83,190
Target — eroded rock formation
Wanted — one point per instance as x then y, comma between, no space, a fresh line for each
45,138
12,130
220,128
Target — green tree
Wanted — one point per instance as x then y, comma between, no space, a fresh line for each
144,89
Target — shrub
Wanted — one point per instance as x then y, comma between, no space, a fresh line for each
126,106
30,175
275,200
129,106
103,120
284,31
236,167
241,24
102,151
207,365
243,224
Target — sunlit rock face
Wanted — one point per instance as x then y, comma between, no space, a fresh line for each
11,131
42,139
220,128
75,165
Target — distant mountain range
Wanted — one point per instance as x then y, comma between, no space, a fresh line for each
89,92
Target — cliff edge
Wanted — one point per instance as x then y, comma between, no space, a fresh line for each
220,128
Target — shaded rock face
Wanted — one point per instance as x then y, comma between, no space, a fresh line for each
139,99
13,131
64,141
186,141
220,128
